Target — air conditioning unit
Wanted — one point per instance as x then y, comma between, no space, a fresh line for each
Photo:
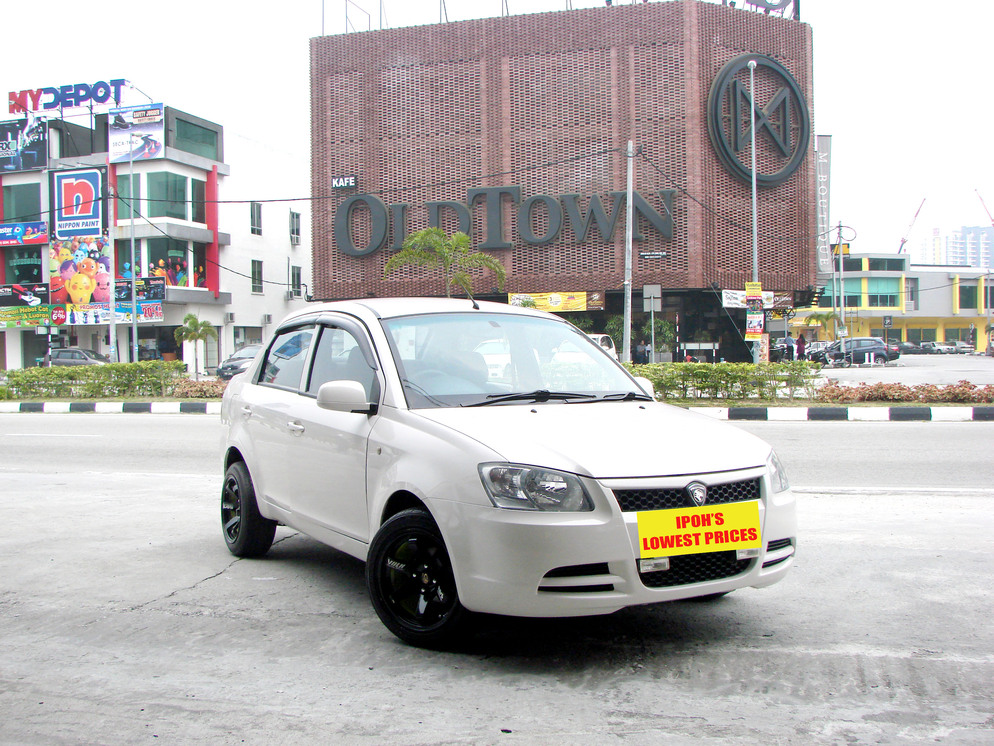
289,295
267,318
229,318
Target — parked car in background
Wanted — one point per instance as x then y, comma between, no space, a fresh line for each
605,341
77,356
858,351
238,362
561,489
938,348
814,347
909,348
964,348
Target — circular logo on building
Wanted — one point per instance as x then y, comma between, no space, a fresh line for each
783,125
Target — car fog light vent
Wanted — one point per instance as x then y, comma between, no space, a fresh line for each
654,564
742,554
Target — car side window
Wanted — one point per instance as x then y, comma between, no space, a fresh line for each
284,365
338,357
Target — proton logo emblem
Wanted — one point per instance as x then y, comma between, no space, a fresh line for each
783,126
698,493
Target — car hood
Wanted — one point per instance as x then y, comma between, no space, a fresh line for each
607,439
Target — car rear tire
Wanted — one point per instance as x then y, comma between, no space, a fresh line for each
880,359
410,581
246,532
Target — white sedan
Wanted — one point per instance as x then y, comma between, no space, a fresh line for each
560,488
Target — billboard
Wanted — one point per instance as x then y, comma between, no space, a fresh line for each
136,133
24,305
23,234
23,144
559,302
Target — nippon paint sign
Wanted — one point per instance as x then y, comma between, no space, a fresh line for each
67,96
78,202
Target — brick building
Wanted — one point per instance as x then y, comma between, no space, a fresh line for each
515,129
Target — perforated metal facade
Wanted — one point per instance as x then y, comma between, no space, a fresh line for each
547,103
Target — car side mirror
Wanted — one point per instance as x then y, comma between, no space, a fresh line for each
345,396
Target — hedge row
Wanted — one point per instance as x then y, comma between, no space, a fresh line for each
766,381
963,392
155,378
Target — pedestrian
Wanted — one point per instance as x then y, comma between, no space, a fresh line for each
802,343
790,346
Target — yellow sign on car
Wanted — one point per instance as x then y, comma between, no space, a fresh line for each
716,528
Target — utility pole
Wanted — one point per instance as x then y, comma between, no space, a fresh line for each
626,348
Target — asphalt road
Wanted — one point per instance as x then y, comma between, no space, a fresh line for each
918,369
123,618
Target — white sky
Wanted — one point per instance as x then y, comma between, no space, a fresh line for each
897,84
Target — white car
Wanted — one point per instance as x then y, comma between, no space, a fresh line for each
564,490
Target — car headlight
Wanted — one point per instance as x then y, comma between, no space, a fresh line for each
778,477
533,488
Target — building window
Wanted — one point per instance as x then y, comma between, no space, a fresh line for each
199,268
196,139
883,292
885,265
911,294
256,208
198,201
852,295
167,195
122,257
22,203
295,283
256,276
294,228
167,258
851,264
23,265
967,298
129,194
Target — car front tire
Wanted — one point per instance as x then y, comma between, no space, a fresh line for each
410,581
246,532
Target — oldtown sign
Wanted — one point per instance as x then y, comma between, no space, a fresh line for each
782,119
387,219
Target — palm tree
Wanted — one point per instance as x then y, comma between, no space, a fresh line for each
194,330
823,319
453,257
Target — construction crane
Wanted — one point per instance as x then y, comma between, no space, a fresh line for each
900,249
991,217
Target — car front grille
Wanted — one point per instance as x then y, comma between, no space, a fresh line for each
632,501
696,568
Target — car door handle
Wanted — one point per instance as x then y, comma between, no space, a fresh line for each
246,412
295,427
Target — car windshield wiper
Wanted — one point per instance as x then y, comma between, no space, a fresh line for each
540,395
627,396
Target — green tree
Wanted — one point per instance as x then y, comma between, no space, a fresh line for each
823,319
196,331
452,257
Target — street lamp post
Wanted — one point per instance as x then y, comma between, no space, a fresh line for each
134,269
755,219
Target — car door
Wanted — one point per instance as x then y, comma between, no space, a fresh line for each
327,455
266,408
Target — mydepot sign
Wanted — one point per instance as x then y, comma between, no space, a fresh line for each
66,96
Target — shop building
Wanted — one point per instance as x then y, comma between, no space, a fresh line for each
515,131
168,214
885,295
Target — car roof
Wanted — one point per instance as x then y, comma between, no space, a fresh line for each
386,308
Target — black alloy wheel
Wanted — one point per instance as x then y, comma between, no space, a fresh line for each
246,532
410,581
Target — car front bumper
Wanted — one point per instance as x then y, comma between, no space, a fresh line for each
541,564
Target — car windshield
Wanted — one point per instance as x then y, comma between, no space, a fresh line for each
476,359
96,356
